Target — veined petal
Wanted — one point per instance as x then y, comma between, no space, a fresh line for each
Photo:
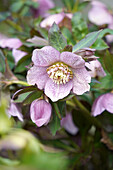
37,75
55,91
45,56
73,60
80,81
40,112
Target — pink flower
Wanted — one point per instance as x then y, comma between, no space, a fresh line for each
57,18
15,110
44,6
57,73
96,68
40,112
14,44
102,103
68,124
99,14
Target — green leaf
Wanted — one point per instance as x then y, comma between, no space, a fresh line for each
4,15
8,162
79,26
16,6
24,90
32,96
2,62
54,124
56,38
105,32
87,41
105,83
108,62
83,5
69,4
100,44
23,62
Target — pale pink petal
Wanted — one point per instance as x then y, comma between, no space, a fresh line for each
37,75
98,106
108,102
68,124
9,42
55,91
38,41
72,60
99,14
80,81
40,112
44,6
48,22
96,68
15,110
18,54
45,56
13,43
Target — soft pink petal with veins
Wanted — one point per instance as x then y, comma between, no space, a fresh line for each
37,75
40,112
45,56
55,91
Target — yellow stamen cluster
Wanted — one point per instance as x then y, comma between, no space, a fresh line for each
60,73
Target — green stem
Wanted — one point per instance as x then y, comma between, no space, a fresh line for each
18,82
87,114
57,110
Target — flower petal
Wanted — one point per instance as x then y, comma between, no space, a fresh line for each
99,14
40,112
98,106
37,75
108,102
67,123
15,110
80,81
57,18
73,60
45,56
18,54
55,91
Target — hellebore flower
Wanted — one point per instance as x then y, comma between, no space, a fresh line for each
40,112
68,124
57,18
15,110
14,44
102,103
44,6
96,68
99,14
57,73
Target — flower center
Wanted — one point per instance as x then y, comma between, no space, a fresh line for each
60,73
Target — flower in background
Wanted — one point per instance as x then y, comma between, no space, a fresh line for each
14,44
102,103
99,14
40,112
57,73
57,18
69,126
44,6
95,68
15,110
